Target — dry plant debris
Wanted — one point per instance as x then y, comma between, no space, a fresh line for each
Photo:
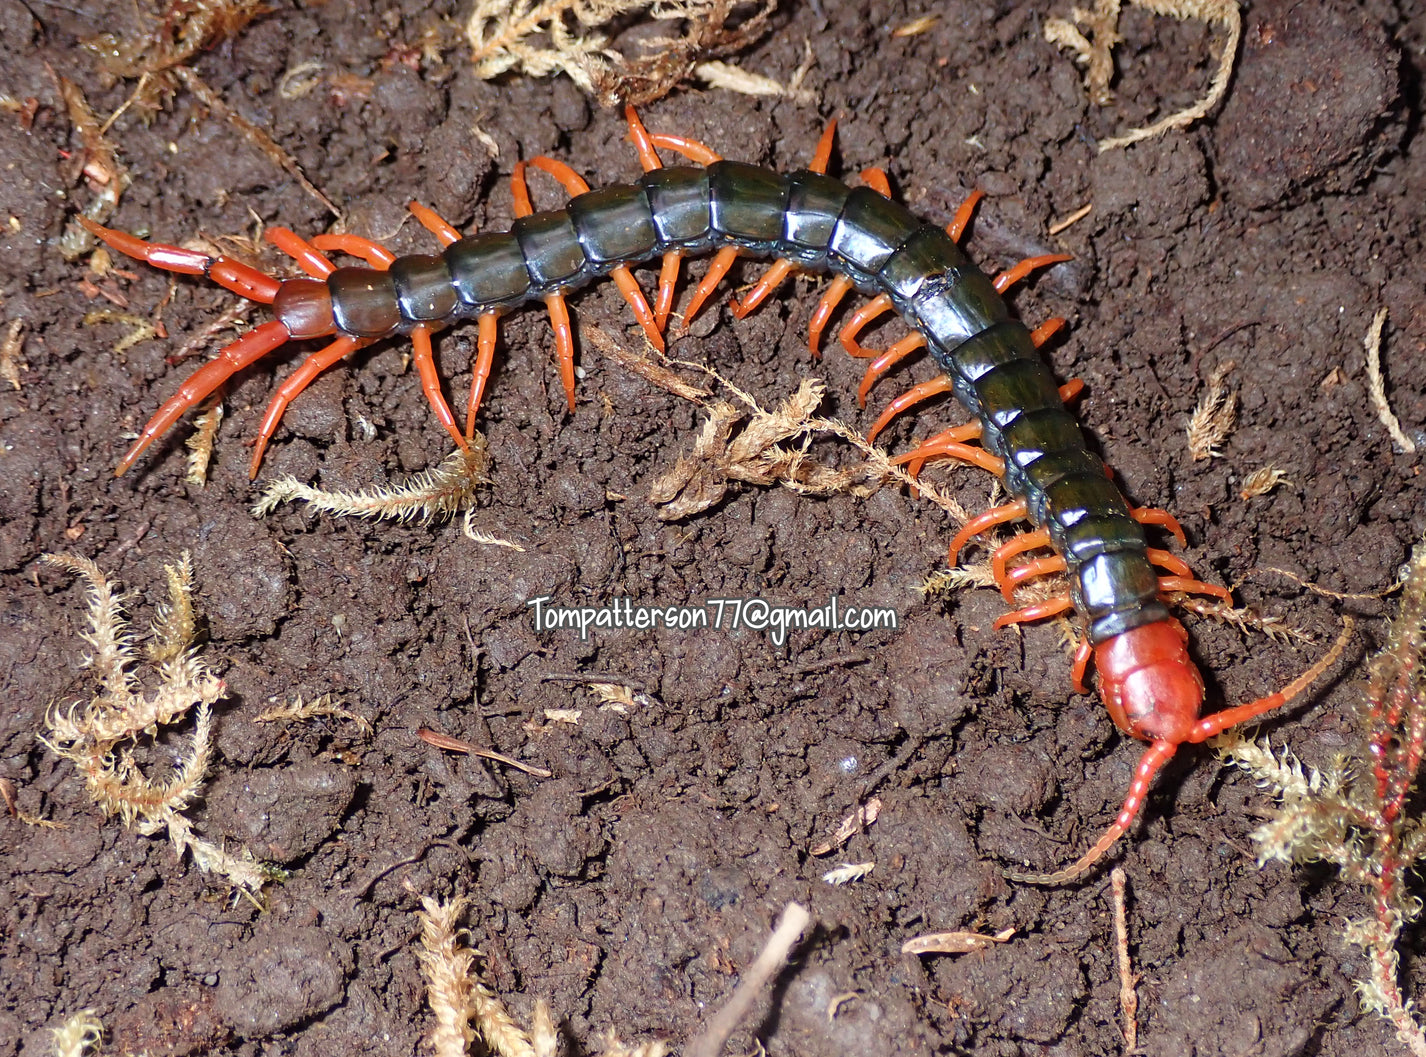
1097,57
848,872
1355,813
439,493
954,942
299,711
850,826
1262,481
200,445
548,36
11,361
80,1033
100,737
458,998
756,455
1376,388
1128,997
1214,417
98,162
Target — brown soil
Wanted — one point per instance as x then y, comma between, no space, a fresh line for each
629,889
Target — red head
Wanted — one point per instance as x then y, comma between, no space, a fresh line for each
1149,684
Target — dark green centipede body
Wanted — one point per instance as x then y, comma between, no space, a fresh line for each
822,225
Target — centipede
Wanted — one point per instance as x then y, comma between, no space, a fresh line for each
1080,525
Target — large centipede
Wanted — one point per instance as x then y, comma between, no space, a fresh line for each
806,221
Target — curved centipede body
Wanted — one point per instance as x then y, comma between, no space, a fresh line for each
806,221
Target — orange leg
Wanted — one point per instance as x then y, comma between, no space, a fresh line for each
301,251
299,380
770,281
955,435
875,178
887,360
1051,607
878,305
1195,587
1021,573
717,269
1165,560
831,297
913,396
780,270
998,515
374,253
520,191
564,343
248,349
434,223
1025,541
643,142
1071,389
487,330
1145,515
1082,654
634,295
431,383
230,274
1010,277
1047,330
689,148
964,452
668,280
957,227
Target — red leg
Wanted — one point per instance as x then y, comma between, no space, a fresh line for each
564,343
860,318
717,269
301,251
1025,541
913,396
374,253
520,191
570,180
251,347
431,383
998,515
1039,567
299,380
887,360
1071,389
1152,516
230,274
1010,277
826,305
770,281
1051,607
487,331
434,223
1082,654
957,227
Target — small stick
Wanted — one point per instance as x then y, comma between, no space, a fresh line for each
1128,999
709,1042
1376,388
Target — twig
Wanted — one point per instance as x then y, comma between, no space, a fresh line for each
709,1042
1376,388
1128,998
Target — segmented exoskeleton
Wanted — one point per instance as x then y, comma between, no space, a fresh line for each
811,222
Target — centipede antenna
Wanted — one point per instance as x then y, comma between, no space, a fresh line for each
1153,760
